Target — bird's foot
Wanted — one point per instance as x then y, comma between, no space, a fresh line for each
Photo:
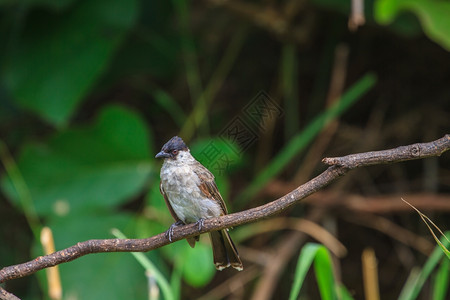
169,232
200,223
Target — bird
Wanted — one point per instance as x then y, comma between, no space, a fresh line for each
191,194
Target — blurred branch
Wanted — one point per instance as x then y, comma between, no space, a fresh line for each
339,166
357,17
382,204
201,109
270,17
335,90
389,228
7,296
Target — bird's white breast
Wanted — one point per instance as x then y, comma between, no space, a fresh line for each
180,183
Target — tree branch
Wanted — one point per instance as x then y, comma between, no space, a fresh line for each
4,295
338,167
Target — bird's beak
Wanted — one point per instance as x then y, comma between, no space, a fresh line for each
162,154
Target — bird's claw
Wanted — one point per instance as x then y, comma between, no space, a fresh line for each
200,224
169,232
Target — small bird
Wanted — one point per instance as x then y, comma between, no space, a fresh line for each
192,196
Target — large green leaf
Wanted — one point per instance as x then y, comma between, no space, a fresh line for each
198,266
58,57
433,15
78,169
99,276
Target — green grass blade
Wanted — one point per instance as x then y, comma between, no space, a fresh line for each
318,254
305,260
324,274
200,112
343,293
440,286
412,280
301,140
150,267
411,291
21,188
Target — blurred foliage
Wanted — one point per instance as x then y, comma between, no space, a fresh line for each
91,277
59,57
329,288
433,16
91,89
417,278
302,139
86,169
152,271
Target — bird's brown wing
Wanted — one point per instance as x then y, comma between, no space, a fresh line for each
224,251
172,212
208,185
191,240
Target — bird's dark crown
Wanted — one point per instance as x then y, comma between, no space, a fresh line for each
171,148
175,143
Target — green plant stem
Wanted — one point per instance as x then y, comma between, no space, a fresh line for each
200,111
23,193
441,280
150,267
416,281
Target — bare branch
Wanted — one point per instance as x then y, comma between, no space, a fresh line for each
7,296
338,167
402,153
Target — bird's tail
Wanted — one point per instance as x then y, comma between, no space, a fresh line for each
224,251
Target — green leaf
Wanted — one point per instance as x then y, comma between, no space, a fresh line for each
433,15
343,293
324,274
417,280
91,167
305,260
59,57
440,286
150,268
100,276
318,254
197,264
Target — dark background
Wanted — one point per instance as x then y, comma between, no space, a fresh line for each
90,91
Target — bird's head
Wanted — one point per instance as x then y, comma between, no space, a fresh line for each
172,148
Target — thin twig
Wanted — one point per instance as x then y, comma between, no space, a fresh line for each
339,166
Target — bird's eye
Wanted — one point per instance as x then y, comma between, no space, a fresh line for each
174,152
